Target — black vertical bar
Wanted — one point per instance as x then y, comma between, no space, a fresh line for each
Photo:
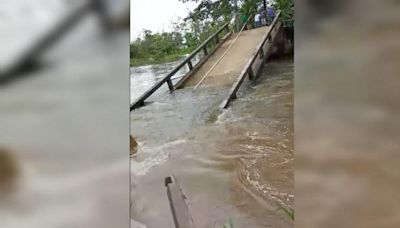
269,37
44,43
234,96
205,50
250,72
170,85
190,65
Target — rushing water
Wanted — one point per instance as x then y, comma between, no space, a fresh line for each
143,77
236,163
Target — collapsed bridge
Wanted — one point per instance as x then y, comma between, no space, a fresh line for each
228,59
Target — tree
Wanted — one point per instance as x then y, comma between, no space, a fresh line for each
287,11
157,47
249,7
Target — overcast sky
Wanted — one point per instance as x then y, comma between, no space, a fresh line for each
156,15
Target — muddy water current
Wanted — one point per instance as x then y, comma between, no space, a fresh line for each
146,76
234,164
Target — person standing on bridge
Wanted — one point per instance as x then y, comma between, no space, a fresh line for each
270,15
244,18
263,16
257,20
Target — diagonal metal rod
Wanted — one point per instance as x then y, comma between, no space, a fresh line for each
51,37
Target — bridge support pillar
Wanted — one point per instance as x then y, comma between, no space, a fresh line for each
261,53
190,65
205,50
250,72
170,85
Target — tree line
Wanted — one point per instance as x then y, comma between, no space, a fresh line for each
188,33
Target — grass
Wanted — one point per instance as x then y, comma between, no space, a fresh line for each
288,211
158,60
151,61
228,224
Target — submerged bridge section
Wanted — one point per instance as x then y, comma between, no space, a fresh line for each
229,59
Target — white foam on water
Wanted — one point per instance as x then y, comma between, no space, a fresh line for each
265,189
153,157
227,117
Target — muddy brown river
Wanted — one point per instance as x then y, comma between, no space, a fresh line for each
234,164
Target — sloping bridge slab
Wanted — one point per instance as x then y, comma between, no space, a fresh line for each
228,69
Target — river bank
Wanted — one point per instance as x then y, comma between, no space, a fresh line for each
135,62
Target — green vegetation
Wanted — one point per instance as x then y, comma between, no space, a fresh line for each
201,23
206,19
287,11
228,224
186,35
249,7
288,211
157,48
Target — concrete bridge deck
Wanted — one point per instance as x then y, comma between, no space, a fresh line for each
228,69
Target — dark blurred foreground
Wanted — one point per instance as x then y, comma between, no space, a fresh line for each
64,121
347,114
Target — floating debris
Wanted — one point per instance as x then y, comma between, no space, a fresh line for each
133,145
